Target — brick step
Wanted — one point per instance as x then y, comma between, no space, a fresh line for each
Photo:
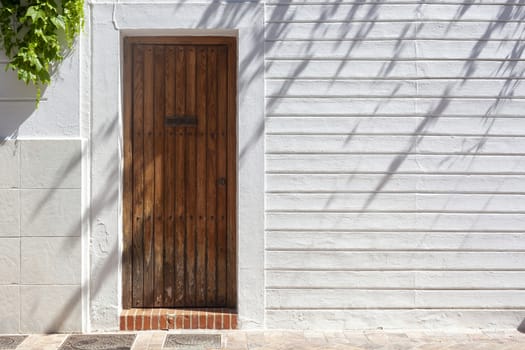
157,319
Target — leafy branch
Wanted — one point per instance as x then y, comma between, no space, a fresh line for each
35,34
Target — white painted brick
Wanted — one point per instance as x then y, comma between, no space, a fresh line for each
51,260
407,241
370,30
394,319
393,144
371,69
446,280
476,126
9,309
10,161
365,299
50,164
50,212
338,298
50,309
9,213
395,50
386,49
395,88
334,260
470,183
394,163
420,202
387,11
395,221
470,299
9,261
391,106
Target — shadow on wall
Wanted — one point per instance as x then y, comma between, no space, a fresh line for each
521,327
360,22
18,100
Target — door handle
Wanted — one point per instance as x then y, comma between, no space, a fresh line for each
221,181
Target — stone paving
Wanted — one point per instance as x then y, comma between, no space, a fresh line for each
314,340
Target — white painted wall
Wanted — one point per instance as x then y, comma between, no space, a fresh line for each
395,188
394,165
40,209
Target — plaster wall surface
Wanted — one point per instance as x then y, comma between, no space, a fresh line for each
381,141
109,23
40,210
394,164
40,236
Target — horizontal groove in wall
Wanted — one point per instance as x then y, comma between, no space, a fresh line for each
371,211
364,232
336,191
357,250
314,250
386,173
398,308
421,115
390,97
406,20
390,59
277,269
500,231
383,2
270,287
391,134
393,78
382,59
402,39
423,153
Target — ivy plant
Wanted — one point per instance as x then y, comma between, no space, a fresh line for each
35,34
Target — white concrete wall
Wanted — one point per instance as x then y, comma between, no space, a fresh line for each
40,209
395,188
394,174
40,243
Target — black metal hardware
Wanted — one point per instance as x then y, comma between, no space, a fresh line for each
181,120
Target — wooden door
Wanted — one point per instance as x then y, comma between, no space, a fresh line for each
179,206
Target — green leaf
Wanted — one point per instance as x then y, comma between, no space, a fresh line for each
32,32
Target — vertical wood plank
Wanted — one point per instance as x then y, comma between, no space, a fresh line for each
159,175
211,174
190,177
200,282
127,214
222,113
169,180
138,176
180,182
232,177
149,177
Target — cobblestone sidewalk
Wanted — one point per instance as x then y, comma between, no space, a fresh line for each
310,340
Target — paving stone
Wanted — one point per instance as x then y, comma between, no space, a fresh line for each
193,341
316,340
8,342
99,342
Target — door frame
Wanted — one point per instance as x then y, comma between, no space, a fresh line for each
101,126
231,152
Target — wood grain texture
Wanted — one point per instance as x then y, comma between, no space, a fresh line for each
138,177
160,163
127,194
201,156
182,176
211,175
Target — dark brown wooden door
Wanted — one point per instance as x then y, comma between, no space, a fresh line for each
179,172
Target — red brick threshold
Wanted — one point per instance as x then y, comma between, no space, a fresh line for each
153,319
